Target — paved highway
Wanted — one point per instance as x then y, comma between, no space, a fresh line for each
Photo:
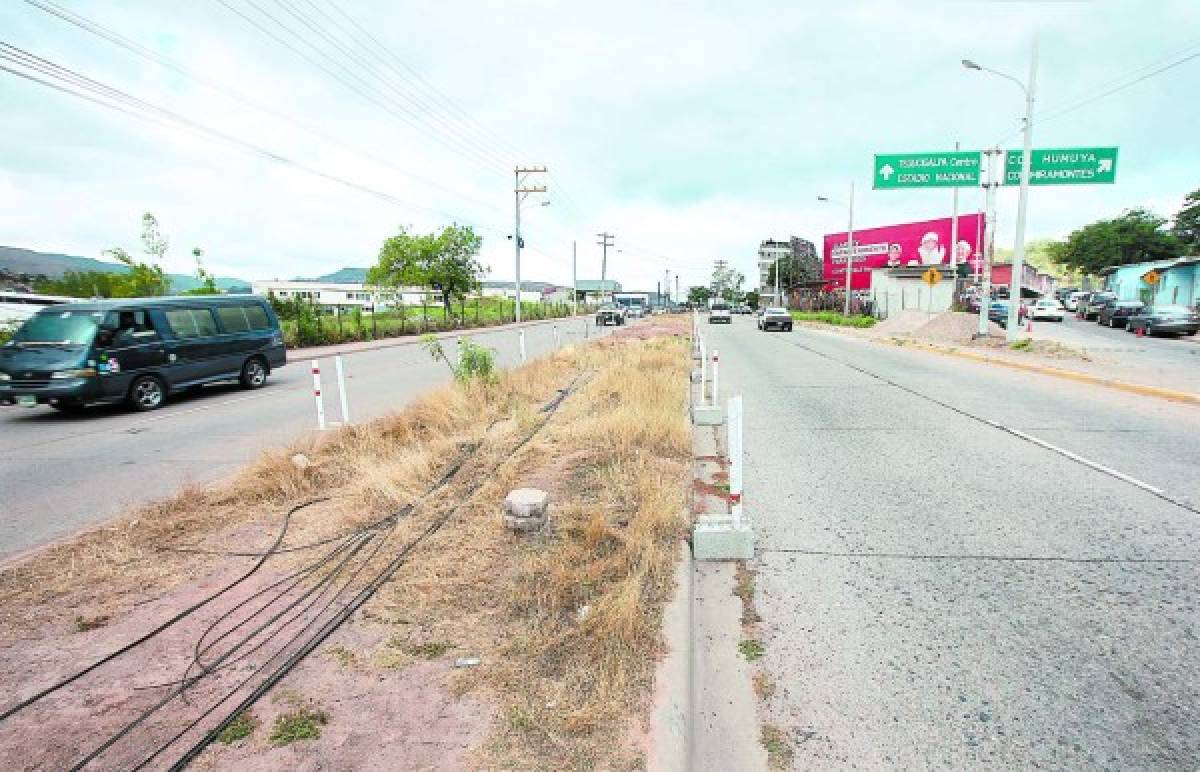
938,589
60,472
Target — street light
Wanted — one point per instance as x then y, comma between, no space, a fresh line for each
1018,263
849,243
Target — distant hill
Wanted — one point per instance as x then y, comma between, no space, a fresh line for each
341,276
52,265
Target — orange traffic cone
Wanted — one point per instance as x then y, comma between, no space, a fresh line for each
1141,332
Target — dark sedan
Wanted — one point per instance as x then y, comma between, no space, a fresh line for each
1169,320
1117,312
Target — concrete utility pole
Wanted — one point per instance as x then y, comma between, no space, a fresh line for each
676,298
995,161
954,228
1022,201
606,241
520,192
849,249
665,294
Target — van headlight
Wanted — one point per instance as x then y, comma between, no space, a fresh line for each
5,377
83,372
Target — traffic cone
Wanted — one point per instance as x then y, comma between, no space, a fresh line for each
1029,325
1141,332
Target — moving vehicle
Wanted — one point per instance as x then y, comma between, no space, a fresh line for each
1072,300
779,318
1173,320
1047,308
610,313
1095,302
1117,312
139,350
720,312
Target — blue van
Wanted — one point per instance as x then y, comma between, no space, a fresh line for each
139,350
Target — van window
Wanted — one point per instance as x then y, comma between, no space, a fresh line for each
233,318
191,322
257,317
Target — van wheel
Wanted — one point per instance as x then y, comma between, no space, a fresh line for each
146,393
254,373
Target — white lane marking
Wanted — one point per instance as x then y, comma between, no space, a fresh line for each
1076,457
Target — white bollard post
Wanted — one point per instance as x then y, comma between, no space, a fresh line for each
341,379
703,373
521,340
556,342
716,390
734,426
316,374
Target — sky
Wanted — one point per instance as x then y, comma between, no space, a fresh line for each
312,130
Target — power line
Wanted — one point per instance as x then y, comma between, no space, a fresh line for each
132,46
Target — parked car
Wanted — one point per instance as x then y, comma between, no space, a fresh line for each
777,318
998,312
610,313
1117,312
139,350
1072,300
1174,320
720,312
1095,302
1047,308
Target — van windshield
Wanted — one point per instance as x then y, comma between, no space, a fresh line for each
59,328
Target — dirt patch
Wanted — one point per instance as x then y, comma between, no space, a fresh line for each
556,632
955,327
656,327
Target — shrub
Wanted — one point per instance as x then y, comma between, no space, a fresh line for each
834,317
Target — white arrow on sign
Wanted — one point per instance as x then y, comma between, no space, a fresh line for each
1105,165
886,171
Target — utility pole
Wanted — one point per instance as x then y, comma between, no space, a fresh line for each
664,296
676,288
778,300
574,284
849,249
1018,263
606,241
994,161
520,192
954,228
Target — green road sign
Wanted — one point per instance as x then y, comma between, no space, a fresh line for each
1064,166
952,169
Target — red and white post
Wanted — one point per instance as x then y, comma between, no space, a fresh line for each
716,389
316,374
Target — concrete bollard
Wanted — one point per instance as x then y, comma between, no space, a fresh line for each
316,376
526,510
521,343
341,380
716,389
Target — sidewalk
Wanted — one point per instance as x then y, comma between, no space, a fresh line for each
309,353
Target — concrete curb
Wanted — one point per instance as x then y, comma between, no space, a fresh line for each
1144,390
671,718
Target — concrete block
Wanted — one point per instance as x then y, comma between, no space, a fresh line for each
708,415
718,537
524,524
527,502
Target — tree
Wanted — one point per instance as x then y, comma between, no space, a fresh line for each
727,282
446,261
208,283
83,284
1136,236
753,299
144,279
793,271
698,296
1187,224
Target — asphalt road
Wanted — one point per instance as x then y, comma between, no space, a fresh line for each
938,591
59,472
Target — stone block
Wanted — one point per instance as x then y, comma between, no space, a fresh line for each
718,537
708,415
527,502
524,524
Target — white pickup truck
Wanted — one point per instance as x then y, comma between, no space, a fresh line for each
720,312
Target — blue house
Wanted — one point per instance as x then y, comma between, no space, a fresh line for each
1178,281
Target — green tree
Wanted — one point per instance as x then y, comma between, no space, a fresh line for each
1187,223
144,279
793,271
446,261
1136,236
753,299
208,282
83,284
698,296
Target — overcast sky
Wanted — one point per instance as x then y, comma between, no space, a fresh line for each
691,131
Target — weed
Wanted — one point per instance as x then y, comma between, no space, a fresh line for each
764,687
752,649
343,656
431,650
779,750
1025,344
834,317
475,362
743,588
242,726
300,724
519,718
83,624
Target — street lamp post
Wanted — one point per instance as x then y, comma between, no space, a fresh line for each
1018,263
849,244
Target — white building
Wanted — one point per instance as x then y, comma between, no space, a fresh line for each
769,251
346,296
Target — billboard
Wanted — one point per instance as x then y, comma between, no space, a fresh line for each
911,243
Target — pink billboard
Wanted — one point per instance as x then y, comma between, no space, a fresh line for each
912,243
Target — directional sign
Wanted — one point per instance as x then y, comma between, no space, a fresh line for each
1064,166
931,277
1151,277
952,169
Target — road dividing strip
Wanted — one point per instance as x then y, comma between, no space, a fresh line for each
316,376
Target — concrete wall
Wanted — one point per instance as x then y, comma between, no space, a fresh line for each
891,293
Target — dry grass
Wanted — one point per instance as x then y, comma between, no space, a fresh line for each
566,623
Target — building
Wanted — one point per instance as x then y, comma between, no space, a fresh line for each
1177,281
1034,283
803,251
344,296
531,291
596,290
